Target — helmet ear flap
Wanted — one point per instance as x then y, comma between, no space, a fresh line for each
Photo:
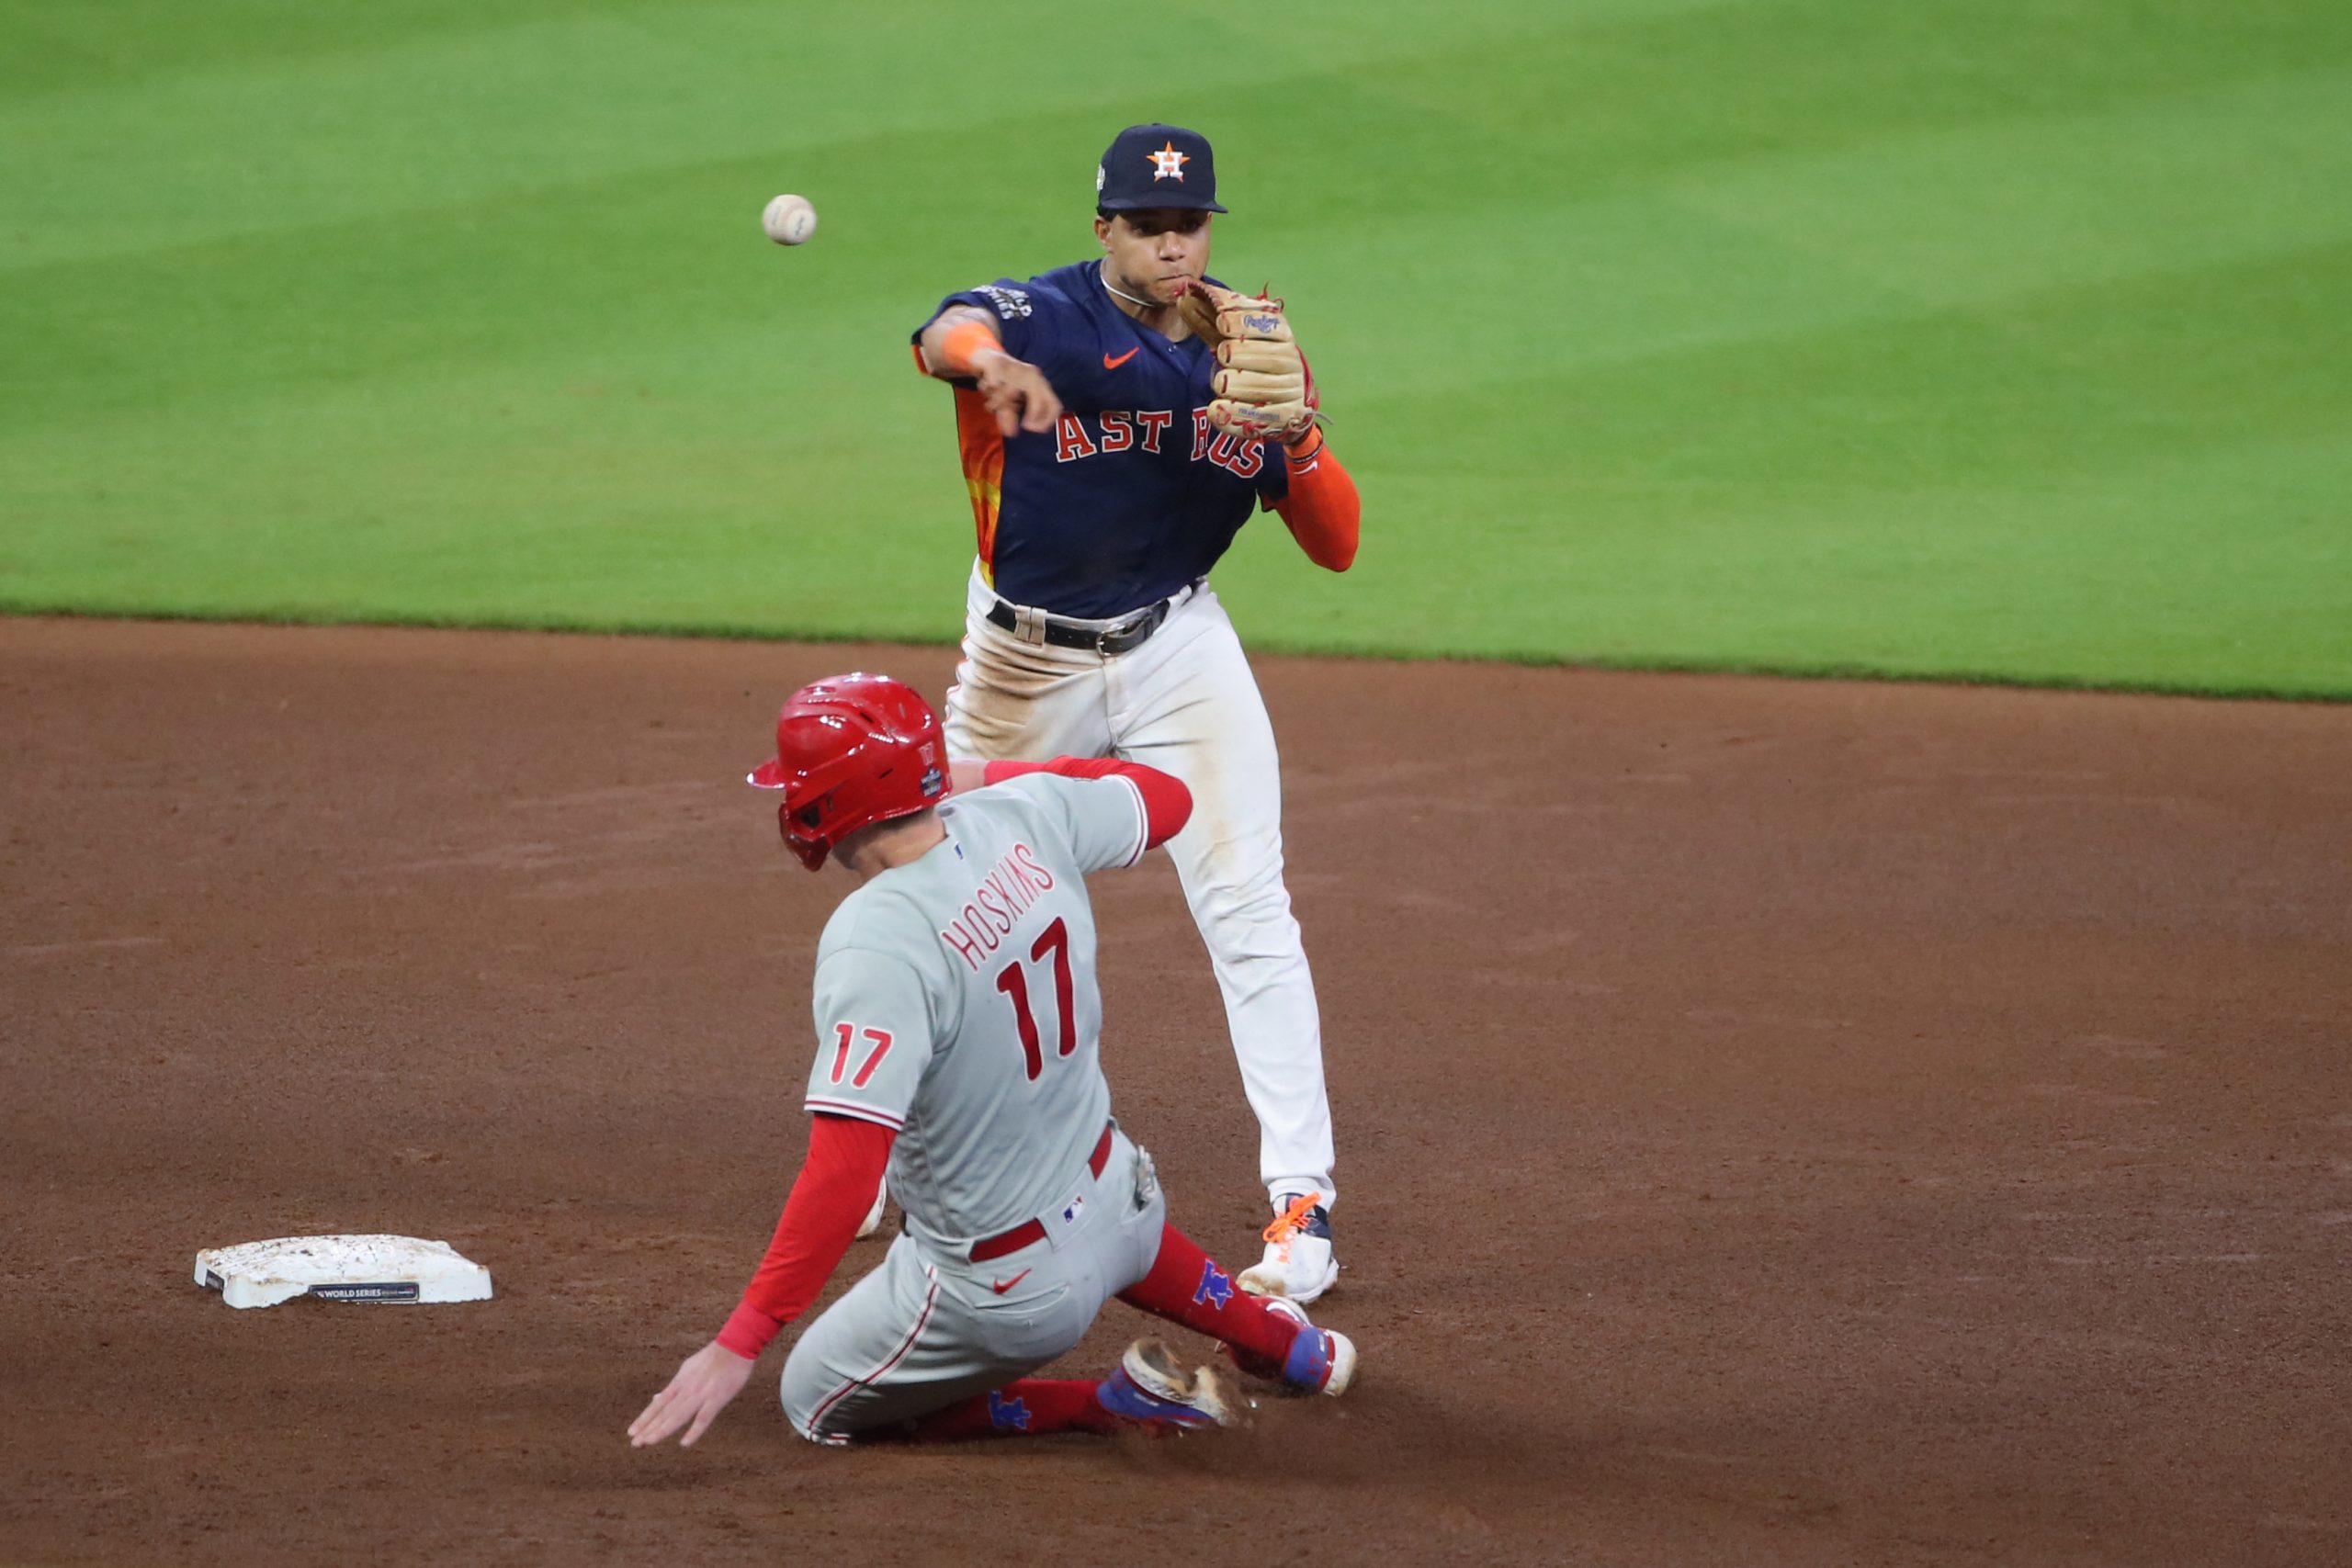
800,835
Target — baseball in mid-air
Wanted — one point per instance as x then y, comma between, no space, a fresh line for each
789,219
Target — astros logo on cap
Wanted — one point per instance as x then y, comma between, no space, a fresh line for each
1183,171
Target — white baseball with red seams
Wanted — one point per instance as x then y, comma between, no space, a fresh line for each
789,219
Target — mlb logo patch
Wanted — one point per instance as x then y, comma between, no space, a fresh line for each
1007,1415
1077,1206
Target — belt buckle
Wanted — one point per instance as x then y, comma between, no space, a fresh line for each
1133,631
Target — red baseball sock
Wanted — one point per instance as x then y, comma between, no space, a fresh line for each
1186,1286
1024,1408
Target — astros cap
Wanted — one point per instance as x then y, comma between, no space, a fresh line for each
1157,166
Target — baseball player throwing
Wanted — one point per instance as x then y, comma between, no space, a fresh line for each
1120,418
957,1018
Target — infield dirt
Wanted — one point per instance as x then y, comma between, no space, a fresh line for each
1782,1122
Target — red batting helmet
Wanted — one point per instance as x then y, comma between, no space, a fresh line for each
851,750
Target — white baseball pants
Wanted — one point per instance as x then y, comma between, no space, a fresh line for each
929,1327
1184,703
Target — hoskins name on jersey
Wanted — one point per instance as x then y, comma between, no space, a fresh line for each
1012,886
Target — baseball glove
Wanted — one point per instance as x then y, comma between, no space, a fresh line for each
1264,387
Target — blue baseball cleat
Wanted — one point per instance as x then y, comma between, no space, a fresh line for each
1321,1360
1151,1386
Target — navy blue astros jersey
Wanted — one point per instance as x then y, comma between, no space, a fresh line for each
1134,494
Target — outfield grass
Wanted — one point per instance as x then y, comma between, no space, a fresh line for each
1965,339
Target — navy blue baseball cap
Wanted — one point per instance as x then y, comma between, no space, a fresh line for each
1157,166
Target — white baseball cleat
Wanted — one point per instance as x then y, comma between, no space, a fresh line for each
873,1221
1298,1265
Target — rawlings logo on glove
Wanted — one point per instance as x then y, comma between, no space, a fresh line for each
1264,387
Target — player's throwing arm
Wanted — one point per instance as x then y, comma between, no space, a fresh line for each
1014,392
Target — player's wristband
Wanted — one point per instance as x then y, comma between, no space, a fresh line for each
965,342
1303,452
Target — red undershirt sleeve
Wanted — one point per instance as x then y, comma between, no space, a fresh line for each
836,1187
1322,509
1167,804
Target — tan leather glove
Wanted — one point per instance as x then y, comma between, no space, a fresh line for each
1264,387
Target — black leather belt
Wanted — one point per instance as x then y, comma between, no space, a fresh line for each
1124,637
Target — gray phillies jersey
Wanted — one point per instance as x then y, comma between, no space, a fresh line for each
955,1002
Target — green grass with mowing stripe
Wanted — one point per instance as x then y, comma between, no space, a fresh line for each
1975,340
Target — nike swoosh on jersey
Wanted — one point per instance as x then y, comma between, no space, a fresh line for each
1000,1286
1111,364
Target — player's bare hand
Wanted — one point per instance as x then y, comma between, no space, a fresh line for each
706,1381
1019,395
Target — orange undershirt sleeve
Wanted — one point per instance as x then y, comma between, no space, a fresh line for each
1322,509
